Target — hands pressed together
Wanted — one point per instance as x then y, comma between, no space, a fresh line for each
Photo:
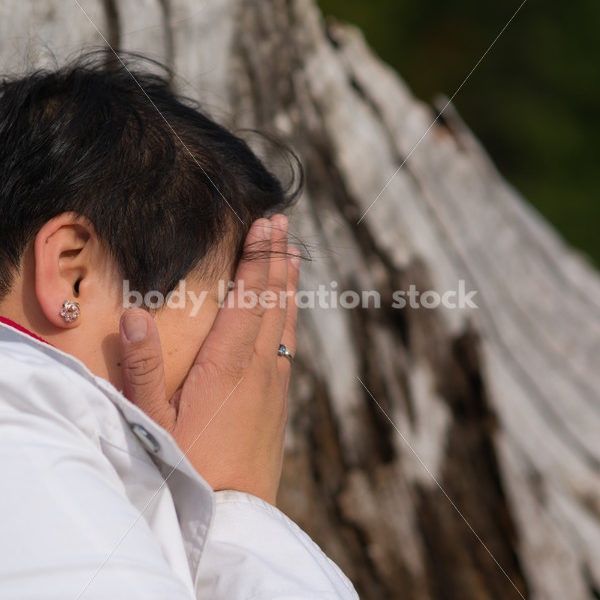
230,414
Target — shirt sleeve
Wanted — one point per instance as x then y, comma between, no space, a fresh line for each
67,528
255,552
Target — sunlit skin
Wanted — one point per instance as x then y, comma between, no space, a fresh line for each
67,251
213,379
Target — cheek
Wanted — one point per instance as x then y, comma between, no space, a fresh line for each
177,366
181,341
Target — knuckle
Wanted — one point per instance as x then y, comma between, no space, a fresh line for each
230,365
252,289
257,310
250,299
143,368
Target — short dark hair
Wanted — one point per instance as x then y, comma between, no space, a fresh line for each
163,184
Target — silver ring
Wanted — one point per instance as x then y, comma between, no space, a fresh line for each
283,351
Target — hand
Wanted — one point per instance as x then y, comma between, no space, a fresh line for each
230,414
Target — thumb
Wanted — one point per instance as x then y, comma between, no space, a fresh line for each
142,366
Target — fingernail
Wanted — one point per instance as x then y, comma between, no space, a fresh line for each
135,327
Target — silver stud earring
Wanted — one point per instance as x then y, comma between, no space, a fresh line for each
69,311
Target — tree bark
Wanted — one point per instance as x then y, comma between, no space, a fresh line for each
432,453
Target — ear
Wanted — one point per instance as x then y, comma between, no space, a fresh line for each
63,263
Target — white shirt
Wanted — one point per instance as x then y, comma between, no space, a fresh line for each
99,502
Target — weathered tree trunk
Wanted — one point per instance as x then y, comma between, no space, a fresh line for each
432,453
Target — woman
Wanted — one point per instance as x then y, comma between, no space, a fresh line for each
141,449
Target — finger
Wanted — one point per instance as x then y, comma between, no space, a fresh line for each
291,318
142,366
231,340
271,328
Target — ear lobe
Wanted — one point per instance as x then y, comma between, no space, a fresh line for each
60,267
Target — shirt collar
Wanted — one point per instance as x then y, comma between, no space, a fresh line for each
18,327
194,509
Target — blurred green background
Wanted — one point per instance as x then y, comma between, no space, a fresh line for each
533,102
